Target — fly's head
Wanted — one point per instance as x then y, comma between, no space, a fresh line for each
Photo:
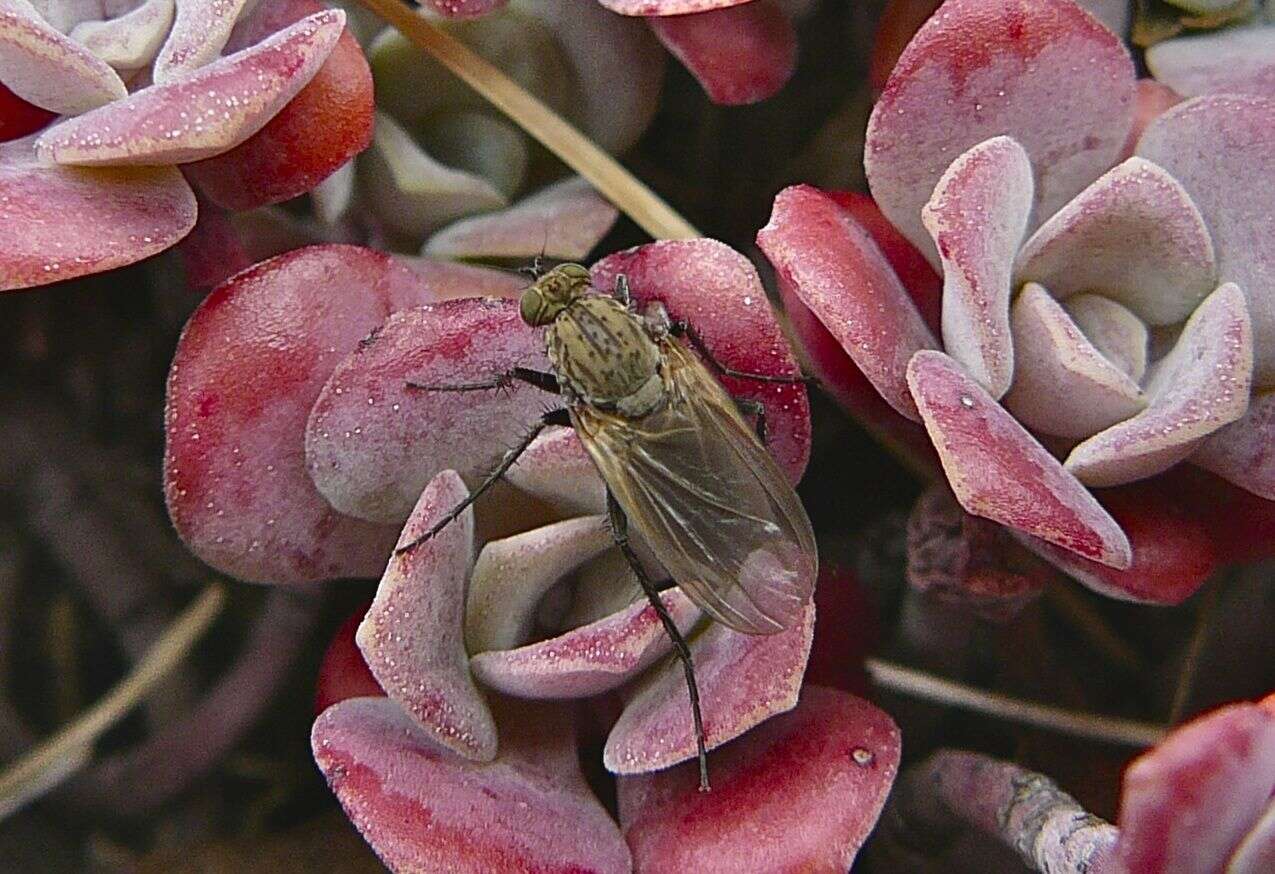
552,293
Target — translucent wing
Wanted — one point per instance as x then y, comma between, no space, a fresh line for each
709,499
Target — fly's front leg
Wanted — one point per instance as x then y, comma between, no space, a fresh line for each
546,382
620,530
553,417
683,329
757,410
621,290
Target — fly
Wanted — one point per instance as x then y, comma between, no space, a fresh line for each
677,457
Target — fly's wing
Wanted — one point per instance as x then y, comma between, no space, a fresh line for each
711,502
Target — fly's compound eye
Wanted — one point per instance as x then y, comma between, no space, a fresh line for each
531,306
574,271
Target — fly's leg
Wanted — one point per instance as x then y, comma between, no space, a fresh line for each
683,329
757,409
553,417
621,290
620,530
546,382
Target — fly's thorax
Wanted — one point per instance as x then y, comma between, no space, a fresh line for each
606,357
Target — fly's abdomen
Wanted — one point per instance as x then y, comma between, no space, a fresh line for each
603,353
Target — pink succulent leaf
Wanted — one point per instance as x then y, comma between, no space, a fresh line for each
200,31
57,223
800,793
1219,149
412,635
1244,451
204,113
1174,550
1119,335
739,54
1151,100
983,68
563,221
373,440
1000,472
557,468
213,251
667,7
1256,853
1114,14
1187,804
413,192
64,15
1235,60
1201,385
247,370
744,679
1063,385
967,561
717,292
1134,236
451,279
131,41
426,810
512,575
977,216
826,260
464,8
604,587
588,660
49,70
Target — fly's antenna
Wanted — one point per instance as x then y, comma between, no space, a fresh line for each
537,269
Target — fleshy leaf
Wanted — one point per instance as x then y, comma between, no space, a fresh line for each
425,809
343,672
246,372
131,41
985,68
1219,149
513,574
717,291
1000,472
800,793
464,8
200,31
1062,384
1174,553
1133,236
977,216
1151,100
1201,385
563,221
58,223
49,70
412,634
1236,60
1115,332
1186,804
743,680
588,660
556,468
1242,451
414,193
316,133
1256,853
826,260
451,279
666,7
739,54
207,112
373,440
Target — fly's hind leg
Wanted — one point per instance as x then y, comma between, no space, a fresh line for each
684,329
620,530
553,417
546,382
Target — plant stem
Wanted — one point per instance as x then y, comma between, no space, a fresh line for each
575,150
61,755
918,684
